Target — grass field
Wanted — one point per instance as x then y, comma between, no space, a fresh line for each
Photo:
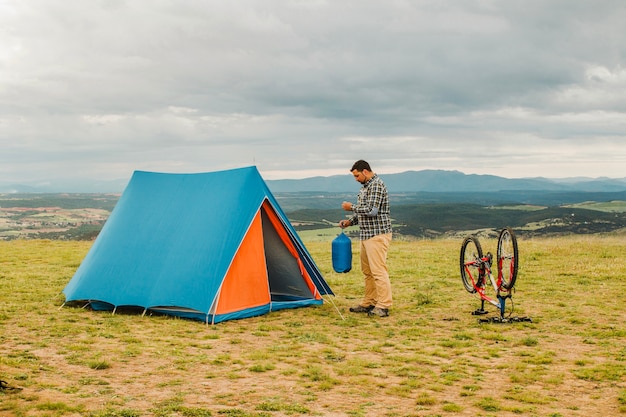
609,206
430,357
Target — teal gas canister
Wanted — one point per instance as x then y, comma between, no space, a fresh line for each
342,253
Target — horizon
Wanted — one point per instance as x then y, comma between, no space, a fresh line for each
64,185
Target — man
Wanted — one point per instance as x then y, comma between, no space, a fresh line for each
371,213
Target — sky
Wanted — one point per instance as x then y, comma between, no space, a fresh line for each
300,88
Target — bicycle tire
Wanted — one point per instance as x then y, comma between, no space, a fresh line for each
470,251
508,259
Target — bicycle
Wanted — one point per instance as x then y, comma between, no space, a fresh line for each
476,271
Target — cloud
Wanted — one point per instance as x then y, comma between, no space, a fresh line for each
299,88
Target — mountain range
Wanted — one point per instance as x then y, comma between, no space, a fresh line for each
449,182
435,181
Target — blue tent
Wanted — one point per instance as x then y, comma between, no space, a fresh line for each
209,246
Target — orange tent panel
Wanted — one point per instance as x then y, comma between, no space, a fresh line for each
245,284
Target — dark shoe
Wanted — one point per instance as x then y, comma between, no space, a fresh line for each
380,312
361,309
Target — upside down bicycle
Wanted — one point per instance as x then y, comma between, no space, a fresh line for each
477,275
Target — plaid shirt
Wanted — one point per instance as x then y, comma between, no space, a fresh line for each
373,195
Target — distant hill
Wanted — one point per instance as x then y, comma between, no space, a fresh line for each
433,186
64,186
322,201
453,219
74,216
432,181
448,181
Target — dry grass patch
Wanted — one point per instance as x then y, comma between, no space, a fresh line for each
431,357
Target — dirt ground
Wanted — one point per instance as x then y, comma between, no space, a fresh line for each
149,380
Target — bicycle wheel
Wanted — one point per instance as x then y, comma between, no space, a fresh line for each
507,258
470,271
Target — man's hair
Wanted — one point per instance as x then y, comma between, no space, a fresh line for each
360,165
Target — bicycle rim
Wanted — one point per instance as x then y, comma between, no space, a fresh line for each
470,272
507,258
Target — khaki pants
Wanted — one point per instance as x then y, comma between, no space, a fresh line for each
374,267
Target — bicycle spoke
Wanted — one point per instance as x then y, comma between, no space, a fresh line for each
471,252
507,258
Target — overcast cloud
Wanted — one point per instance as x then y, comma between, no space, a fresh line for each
300,88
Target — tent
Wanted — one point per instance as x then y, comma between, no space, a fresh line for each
210,246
